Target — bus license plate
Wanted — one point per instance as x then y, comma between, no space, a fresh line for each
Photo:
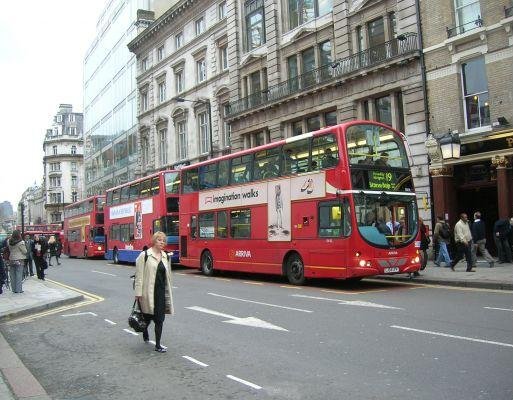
391,270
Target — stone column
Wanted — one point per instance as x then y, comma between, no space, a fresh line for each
444,195
503,166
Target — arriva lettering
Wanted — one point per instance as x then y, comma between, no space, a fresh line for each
243,253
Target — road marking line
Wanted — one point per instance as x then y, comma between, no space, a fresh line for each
258,302
252,283
291,287
80,313
452,336
244,382
104,273
195,361
349,302
223,279
500,309
131,332
110,322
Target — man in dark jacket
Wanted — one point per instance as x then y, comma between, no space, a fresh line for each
501,232
478,231
39,249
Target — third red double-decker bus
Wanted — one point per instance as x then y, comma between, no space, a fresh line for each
46,230
83,228
335,203
137,209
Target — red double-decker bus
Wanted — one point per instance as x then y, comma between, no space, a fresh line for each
335,203
46,230
83,228
137,209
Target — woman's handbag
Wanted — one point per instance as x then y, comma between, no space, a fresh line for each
136,319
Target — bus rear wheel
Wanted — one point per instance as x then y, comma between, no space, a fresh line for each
207,263
295,270
115,256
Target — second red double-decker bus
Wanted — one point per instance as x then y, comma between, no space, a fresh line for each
83,228
46,230
135,210
335,203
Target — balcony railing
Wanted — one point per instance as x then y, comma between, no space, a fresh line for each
458,30
337,69
508,11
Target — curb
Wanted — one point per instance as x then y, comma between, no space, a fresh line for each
445,282
35,309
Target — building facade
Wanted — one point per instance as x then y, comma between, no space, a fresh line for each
264,70
182,83
468,49
63,167
110,102
33,201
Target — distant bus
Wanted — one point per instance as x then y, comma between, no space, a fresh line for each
83,228
335,203
137,209
45,230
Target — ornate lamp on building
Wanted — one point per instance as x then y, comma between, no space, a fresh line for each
443,147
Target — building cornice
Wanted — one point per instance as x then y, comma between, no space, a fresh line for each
157,25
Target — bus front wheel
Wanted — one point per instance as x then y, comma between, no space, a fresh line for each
295,270
115,256
207,263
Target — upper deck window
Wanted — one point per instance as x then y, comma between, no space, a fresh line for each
376,146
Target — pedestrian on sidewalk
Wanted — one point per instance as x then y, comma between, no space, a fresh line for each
58,246
463,239
501,232
478,230
2,270
28,268
424,245
52,248
39,249
153,286
17,256
442,235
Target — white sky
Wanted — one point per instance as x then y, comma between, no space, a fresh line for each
42,49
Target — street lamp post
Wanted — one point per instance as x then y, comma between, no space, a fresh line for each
22,210
209,112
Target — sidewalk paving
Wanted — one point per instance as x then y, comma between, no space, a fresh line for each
499,277
17,382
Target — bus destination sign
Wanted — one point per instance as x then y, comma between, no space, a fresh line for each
381,180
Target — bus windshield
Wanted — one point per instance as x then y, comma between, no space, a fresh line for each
386,220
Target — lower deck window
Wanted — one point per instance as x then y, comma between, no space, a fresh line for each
240,223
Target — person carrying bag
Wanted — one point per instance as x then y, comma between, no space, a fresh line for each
153,287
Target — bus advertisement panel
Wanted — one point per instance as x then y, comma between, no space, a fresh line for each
83,228
135,210
336,203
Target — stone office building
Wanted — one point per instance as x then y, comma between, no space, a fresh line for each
469,64
264,70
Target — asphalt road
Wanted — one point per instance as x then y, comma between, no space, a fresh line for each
243,337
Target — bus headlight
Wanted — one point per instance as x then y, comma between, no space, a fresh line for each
99,248
362,263
415,260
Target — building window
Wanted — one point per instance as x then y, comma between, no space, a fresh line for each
55,167
199,25
59,118
55,131
73,166
226,126
162,92
475,92
144,101
178,40
144,63
301,11
73,150
182,140
297,128
145,150
71,117
201,70
74,181
313,123
330,118
203,132
221,10
74,197
179,81
72,131
376,31
54,150
384,110
325,53
393,25
467,14
160,53
55,181
255,26
223,57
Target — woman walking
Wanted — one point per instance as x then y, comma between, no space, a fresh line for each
52,247
17,257
39,248
153,286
